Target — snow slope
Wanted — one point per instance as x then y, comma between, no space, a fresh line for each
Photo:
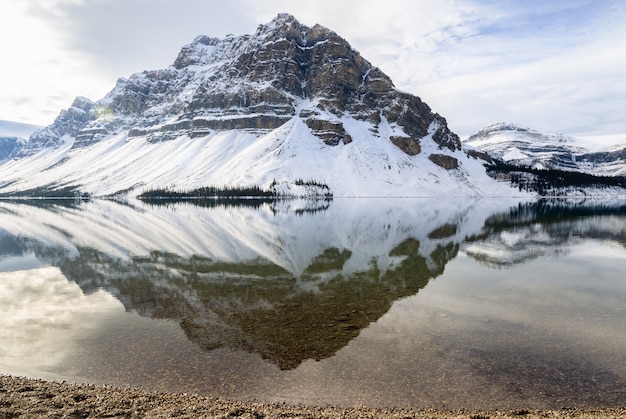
369,166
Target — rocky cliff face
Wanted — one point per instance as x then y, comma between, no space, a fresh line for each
617,153
257,83
72,122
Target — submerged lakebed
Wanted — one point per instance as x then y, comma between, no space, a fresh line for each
425,303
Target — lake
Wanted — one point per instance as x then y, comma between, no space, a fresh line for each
442,303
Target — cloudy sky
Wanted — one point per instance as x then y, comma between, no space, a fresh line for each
556,66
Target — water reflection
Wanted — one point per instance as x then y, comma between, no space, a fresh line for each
42,313
287,286
546,228
346,284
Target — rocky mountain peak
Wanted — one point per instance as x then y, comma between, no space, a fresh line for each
269,109
283,25
257,83
70,122
196,53
286,26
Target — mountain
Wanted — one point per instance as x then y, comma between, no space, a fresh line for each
521,146
290,109
13,135
16,129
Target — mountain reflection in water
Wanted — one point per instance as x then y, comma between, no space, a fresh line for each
289,287
276,280
545,228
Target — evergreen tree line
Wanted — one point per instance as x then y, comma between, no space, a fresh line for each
545,181
208,192
302,182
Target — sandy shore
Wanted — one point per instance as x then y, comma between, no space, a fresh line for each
28,398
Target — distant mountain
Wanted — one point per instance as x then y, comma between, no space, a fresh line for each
16,129
521,146
13,135
291,108
549,164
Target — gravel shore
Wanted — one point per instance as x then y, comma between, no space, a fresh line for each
28,398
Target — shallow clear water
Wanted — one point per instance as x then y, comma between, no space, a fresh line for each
411,302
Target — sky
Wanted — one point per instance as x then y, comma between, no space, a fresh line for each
556,66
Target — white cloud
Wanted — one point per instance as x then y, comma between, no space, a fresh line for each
60,49
38,74
556,81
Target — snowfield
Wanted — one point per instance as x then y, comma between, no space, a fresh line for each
368,166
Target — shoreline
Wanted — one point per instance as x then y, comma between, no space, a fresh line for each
35,398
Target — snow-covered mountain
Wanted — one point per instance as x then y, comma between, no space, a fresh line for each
522,146
13,135
287,103
17,129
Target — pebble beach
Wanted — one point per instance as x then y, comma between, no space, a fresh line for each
32,398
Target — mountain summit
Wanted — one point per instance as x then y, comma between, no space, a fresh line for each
260,82
285,104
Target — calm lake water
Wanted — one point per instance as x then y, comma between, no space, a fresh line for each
406,302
